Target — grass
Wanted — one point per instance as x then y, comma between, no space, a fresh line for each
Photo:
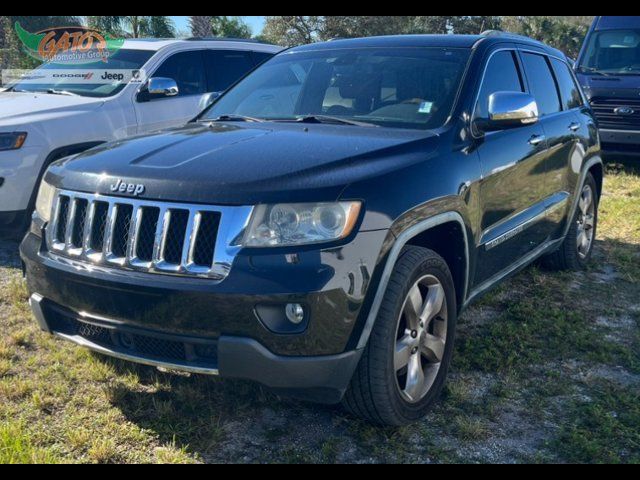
546,369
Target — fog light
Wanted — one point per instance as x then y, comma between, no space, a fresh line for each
295,313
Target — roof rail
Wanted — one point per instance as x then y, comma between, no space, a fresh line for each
500,33
222,39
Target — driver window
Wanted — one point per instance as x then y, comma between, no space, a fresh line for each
187,69
501,75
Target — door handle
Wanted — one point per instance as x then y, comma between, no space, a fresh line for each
574,127
537,140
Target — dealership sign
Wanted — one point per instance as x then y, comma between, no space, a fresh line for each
71,45
47,76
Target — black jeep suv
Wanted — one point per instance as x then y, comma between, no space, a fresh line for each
320,228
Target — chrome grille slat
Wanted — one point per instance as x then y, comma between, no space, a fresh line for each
161,236
88,225
132,242
69,227
143,224
189,239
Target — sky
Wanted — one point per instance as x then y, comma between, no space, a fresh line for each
256,23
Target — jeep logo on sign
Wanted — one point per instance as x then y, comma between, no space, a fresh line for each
129,188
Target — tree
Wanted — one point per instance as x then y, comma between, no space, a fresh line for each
564,32
134,26
201,26
362,26
231,27
292,30
474,25
158,27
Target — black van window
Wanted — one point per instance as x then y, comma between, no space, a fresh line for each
501,75
186,69
568,89
225,67
543,87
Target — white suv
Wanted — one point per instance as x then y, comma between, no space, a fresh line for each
43,123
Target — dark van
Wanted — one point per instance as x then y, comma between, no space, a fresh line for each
609,69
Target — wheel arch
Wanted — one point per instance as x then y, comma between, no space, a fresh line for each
428,234
597,170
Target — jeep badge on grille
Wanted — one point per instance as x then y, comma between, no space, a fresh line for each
130,188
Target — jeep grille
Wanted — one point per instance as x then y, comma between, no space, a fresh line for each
155,237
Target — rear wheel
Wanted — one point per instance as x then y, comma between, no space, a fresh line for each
577,247
403,367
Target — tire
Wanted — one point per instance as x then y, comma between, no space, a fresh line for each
379,392
571,256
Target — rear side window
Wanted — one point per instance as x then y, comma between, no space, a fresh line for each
187,70
260,57
543,86
501,75
568,89
225,67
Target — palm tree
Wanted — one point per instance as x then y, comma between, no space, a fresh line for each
201,25
134,26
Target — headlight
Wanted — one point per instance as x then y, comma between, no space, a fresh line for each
44,202
289,224
12,141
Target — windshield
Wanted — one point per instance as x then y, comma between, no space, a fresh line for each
613,52
104,82
392,87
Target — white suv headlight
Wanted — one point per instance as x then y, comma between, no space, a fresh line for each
291,224
44,203
12,140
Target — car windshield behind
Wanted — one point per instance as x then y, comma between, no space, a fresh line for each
614,52
393,87
63,80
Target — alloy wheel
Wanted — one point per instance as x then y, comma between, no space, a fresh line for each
421,338
586,221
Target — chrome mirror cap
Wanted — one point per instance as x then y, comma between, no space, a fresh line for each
208,99
512,109
166,87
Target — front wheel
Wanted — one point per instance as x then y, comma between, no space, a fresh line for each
577,247
403,367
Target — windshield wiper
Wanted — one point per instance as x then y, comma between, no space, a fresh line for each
235,118
330,119
593,70
53,91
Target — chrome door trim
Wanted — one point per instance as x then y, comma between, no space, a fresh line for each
545,247
398,245
518,229
523,262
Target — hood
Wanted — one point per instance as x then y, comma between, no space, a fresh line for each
620,86
17,108
245,163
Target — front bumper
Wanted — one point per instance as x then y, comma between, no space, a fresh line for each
19,170
321,379
620,142
107,310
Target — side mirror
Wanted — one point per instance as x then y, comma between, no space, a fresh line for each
208,99
510,110
162,87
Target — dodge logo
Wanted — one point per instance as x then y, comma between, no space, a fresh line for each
624,111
